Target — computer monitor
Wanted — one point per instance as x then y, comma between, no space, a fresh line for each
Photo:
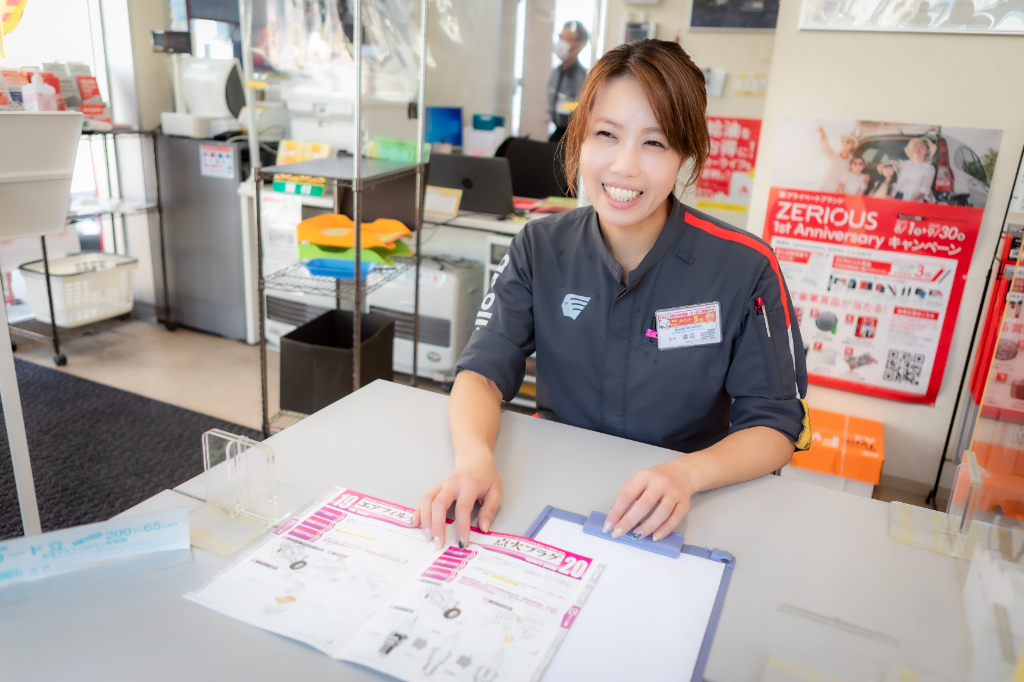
213,87
444,124
486,183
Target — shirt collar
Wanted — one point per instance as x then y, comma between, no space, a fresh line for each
670,233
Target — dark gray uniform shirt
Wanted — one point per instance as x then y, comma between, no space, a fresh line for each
559,292
564,86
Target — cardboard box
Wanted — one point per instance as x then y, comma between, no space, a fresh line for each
845,446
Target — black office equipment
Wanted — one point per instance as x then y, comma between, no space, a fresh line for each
538,168
486,183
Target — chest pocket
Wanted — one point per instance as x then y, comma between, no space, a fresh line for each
779,367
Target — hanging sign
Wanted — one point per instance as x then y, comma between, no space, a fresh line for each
874,225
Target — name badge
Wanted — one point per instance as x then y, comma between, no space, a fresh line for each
694,325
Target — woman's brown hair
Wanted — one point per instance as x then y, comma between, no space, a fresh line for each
674,87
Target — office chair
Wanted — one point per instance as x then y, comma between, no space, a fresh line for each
537,169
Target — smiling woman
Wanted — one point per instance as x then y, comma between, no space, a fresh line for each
651,321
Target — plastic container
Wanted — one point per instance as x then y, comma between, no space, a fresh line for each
487,121
38,96
87,287
36,164
316,359
337,268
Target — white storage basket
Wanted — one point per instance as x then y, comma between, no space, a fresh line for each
87,287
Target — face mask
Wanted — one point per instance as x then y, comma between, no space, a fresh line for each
562,49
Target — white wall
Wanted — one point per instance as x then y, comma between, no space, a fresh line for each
737,53
540,24
947,79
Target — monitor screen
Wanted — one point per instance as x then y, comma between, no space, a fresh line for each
444,124
215,10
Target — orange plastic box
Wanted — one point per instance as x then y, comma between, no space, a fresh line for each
845,446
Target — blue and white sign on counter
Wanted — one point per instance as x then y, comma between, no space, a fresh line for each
38,556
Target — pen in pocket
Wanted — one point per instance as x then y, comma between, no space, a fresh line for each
759,309
652,331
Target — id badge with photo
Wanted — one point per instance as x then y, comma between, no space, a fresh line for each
694,325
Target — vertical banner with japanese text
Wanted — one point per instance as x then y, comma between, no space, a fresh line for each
728,174
874,225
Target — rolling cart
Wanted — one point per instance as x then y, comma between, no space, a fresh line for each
114,207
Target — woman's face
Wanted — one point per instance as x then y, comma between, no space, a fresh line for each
626,163
857,165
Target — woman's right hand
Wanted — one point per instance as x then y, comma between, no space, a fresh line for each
475,479
474,414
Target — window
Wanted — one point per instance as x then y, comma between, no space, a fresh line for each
967,161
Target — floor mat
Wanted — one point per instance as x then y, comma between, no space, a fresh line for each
97,450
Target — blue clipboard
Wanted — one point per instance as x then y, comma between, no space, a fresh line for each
672,545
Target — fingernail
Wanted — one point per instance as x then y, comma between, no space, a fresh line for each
462,544
607,527
618,532
657,536
637,535
426,533
485,526
437,541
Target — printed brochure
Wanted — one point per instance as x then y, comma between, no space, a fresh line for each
351,578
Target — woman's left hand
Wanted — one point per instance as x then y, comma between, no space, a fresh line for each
665,488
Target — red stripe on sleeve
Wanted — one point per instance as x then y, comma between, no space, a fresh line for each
716,231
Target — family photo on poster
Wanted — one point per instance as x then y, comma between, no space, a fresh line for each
874,224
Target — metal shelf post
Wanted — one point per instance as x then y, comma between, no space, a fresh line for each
294,278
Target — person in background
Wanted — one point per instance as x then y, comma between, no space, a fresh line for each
885,186
838,162
916,173
567,80
855,180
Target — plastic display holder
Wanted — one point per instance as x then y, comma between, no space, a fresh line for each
954,532
243,497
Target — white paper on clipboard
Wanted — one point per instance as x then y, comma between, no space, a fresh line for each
627,611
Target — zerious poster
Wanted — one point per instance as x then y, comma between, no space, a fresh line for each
874,225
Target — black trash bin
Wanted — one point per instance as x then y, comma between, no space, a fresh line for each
316,359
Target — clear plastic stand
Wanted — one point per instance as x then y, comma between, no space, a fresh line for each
952,532
806,646
243,497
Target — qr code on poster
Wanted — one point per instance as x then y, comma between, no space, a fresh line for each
903,367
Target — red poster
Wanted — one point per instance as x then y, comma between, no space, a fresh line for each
725,182
874,232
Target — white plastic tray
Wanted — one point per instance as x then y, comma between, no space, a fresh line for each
37,159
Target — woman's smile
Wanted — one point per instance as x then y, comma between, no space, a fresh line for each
621,197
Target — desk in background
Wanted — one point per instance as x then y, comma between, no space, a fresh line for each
815,549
